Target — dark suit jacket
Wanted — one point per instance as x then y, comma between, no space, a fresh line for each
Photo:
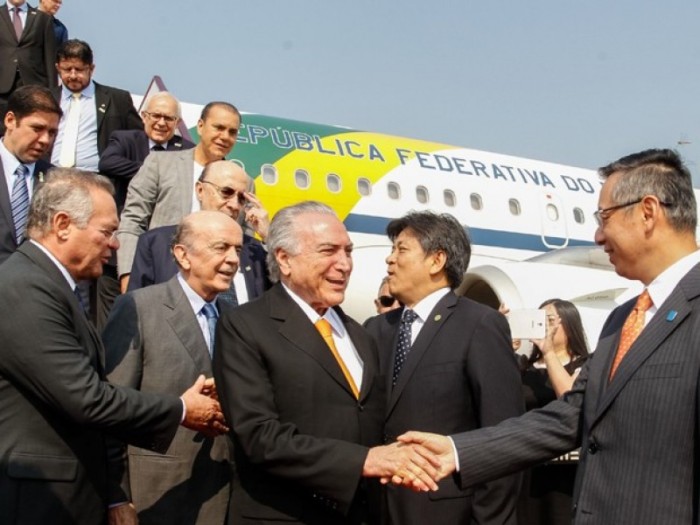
60,31
8,236
153,343
300,436
34,55
154,262
55,407
459,375
124,155
640,459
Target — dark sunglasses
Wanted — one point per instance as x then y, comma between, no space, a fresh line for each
227,193
386,300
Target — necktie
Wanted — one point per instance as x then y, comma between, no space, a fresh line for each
70,133
229,296
20,201
17,22
79,297
324,328
209,312
403,346
634,324
158,147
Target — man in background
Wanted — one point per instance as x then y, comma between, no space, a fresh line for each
51,7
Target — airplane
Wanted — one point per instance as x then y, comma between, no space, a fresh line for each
530,222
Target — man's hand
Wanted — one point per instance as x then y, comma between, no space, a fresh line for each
202,413
439,446
405,461
256,216
122,515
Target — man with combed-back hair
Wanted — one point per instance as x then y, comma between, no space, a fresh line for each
56,408
635,407
448,366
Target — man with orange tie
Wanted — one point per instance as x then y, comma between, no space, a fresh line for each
300,385
635,407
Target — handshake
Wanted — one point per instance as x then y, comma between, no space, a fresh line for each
202,409
418,460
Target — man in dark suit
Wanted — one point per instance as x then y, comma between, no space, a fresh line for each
51,7
225,187
448,364
31,123
55,406
157,340
305,409
28,58
91,112
635,406
128,148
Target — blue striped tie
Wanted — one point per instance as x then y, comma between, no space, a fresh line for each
20,201
210,313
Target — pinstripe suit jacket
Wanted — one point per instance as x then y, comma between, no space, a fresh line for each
640,432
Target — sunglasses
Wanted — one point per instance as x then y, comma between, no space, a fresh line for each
386,300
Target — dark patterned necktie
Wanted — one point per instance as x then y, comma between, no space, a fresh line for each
229,296
20,201
403,346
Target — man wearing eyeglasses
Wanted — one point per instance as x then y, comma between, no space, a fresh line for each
163,190
223,186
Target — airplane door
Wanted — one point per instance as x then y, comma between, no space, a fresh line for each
553,222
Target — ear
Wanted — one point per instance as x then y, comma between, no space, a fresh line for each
198,190
10,121
180,254
283,262
437,262
61,225
651,211
200,126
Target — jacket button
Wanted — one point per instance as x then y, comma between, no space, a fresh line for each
593,447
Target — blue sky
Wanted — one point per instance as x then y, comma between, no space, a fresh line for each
579,83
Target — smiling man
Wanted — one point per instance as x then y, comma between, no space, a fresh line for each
301,385
163,190
31,125
158,339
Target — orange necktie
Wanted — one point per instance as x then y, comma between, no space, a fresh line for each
632,328
324,328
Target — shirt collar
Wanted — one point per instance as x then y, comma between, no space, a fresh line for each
10,162
195,300
64,271
88,92
24,7
426,305
330,315
661,287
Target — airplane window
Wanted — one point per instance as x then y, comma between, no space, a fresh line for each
579,216
301,178
475,201
364,186
552,212
393,190
422,194
269,174
333,182
450,198
514,206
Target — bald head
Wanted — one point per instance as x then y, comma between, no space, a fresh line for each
206,248
222,187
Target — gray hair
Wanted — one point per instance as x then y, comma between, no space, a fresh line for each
163,95
65,190
658,172
283,234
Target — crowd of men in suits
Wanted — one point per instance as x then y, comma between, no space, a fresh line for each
226,384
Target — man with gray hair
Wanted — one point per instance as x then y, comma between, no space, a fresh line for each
300,385
56,408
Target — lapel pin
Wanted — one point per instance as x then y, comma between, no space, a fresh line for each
102,108
671,315
248,268
437,317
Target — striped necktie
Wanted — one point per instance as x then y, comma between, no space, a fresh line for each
20,201
210,313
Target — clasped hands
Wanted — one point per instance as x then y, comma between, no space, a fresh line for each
418,460
202,409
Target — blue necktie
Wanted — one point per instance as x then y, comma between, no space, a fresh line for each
210,313
403,346
20,201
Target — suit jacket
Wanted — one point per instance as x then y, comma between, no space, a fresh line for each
153,343
8,235
34,55
639,433
300,436
55,407
124,155
160,194
154,262
459,375
60,32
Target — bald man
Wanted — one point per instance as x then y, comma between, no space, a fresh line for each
223,186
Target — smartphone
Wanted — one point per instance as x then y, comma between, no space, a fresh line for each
527,324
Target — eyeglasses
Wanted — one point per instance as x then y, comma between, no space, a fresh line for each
110,235
227,193
157,116
603,214
386,300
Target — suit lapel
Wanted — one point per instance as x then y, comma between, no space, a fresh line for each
31,19
5,16
5,204
438,316
298,330
142,145
102,102
183,323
